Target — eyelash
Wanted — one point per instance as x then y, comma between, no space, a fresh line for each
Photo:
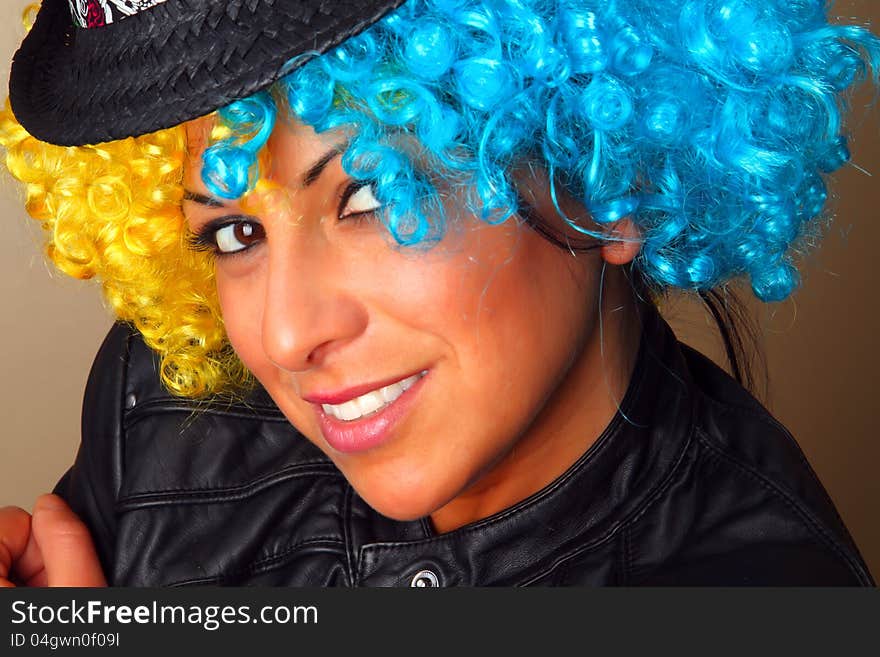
206,238
353,188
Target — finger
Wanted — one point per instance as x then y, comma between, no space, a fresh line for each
15,529
66,545
30,570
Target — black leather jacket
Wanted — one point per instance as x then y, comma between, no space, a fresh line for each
700,487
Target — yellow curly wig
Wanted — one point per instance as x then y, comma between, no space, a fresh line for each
113,211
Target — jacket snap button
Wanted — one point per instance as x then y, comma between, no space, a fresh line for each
130,401
425,579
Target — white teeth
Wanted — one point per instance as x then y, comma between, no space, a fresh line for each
348,411
392,392
372,401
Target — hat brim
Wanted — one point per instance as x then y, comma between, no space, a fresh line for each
179,60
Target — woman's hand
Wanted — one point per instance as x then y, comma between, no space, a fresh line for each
51,548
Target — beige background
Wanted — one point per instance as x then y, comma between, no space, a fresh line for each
821,344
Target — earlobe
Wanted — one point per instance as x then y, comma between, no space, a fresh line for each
622,252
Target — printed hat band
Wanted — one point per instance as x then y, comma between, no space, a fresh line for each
98,13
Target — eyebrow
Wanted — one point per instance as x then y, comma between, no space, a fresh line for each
195,197
318,167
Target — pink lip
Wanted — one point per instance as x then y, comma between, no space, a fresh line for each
342,396
368,432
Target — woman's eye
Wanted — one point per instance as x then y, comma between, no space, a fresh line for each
237,236
358,199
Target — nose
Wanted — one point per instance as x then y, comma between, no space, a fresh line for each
310,308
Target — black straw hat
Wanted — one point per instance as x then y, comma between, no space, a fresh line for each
91,71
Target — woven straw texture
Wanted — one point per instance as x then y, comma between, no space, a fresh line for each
177,61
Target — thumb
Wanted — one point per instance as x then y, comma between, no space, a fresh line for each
69,555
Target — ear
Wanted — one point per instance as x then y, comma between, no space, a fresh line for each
620,253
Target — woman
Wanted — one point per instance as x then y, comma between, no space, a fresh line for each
437,248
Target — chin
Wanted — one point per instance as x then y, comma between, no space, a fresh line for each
397,509
402,502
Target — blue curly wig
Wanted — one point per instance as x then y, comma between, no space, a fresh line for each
711,123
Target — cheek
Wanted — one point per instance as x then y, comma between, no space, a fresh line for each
241,308
519,311
509,319
512,311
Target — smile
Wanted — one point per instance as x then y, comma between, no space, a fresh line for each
371,402
367,421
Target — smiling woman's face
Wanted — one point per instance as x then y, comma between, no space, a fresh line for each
492,333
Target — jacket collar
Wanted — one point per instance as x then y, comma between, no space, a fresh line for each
623,469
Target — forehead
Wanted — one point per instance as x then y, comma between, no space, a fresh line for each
293,147
198,134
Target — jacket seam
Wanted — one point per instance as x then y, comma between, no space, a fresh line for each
624,523
620,559
770,421
805,514
264,564
156,407
774,423
268,563
191,495
122,430
347,534
118,459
